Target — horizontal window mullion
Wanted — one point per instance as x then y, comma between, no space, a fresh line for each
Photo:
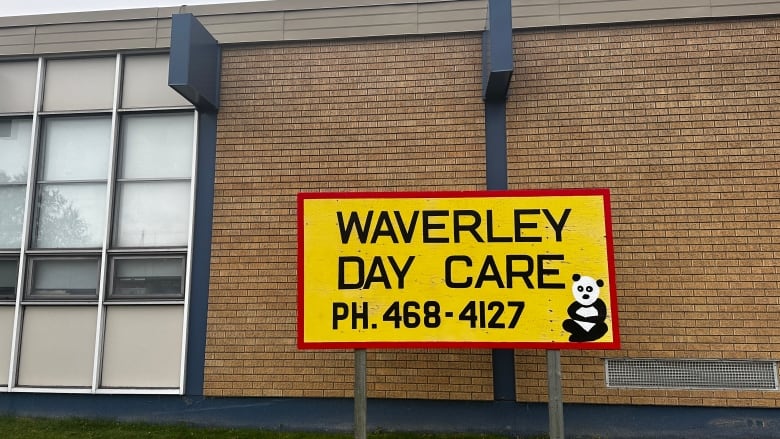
84,181
148,251
66,113
152,179
133,302
23,114
56,252
155,110
63,302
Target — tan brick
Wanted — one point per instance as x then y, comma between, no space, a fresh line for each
680,121
375,114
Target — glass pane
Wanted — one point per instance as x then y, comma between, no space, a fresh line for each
15,137
143,346
152,214
79,84
63,278
11,215
6,335
148,278
76,148
9,270
70,215
146,83
157,146
58,346
18,79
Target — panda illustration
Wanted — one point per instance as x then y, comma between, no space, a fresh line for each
588,312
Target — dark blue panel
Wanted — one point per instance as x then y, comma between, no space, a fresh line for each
193,71
497,50
496,73
496,172
495,145
194,66
201,252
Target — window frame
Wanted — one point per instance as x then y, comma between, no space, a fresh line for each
9,298
112,298
27,254
30,279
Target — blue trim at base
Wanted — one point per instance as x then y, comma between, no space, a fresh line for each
336,415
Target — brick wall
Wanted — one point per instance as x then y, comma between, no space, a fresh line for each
396,114
681,121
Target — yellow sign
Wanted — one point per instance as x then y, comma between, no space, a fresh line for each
497,269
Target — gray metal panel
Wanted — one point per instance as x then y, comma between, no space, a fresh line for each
723,8
79,17
317,19
17,40
535,13
163,33
462,16
291,5
96,36
610,11
245,28
350,22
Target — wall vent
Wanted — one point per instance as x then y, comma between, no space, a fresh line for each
692,374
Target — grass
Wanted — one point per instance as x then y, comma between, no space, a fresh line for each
36,428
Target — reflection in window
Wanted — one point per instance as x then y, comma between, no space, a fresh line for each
15,135
156,146
161,277
11,215
70,209
63,278
9,269
152,214
70,215
153,180
76,148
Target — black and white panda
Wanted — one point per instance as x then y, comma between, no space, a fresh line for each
588,312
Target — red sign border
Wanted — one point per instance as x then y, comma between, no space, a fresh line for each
602,192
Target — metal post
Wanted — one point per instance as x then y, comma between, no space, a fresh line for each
554,392
360,394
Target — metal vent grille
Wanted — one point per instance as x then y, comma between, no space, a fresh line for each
692,374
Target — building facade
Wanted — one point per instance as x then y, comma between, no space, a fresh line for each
148,241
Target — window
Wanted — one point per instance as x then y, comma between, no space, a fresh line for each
71,197
9,270
147,277
63,278
15,138
153,181
96,183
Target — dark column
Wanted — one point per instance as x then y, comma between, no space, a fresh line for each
496,74
193,71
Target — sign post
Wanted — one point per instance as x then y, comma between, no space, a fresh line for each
360,394
489,269
554,392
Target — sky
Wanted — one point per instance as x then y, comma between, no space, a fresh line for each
33,7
